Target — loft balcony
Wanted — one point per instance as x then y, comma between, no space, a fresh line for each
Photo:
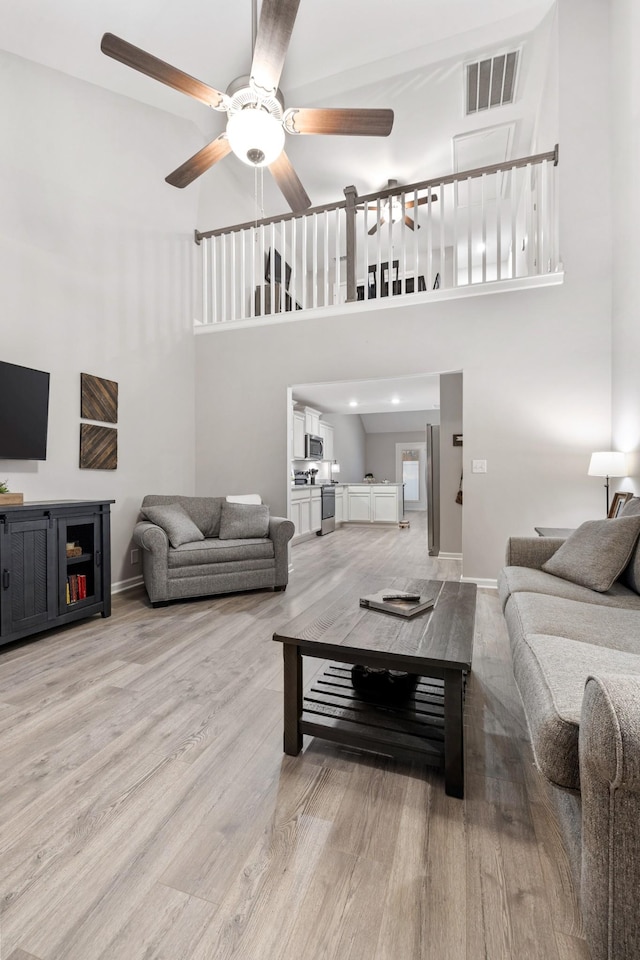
490,229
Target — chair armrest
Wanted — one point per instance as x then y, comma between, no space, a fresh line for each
531,551
610,786
280,531
155,559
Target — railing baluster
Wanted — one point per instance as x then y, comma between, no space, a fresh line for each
315,259
416,256
294,264
326,258
223,278
338,272
430,235
469,234
514,217
483,213
378,277
443,254
498,226
456,207
402,271
305,221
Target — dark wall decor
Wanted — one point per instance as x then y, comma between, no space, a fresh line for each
98,447
98,399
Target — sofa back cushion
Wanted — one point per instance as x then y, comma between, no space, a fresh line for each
596,553
240,521
175,522
204,511
631,573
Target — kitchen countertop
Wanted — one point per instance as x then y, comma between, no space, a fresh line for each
345,483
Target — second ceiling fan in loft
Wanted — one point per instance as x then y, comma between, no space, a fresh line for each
257,120
391,210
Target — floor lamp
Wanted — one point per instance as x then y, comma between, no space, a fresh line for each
607,464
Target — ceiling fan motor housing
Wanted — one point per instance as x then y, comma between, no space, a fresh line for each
254,128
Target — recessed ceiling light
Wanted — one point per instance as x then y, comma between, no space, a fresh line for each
395,399
353,403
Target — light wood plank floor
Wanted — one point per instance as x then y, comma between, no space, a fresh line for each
148,812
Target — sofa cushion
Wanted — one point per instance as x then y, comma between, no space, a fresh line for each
596,553
204,511
551,673
631,574
175,522
608,627
525,580
213,550
239,521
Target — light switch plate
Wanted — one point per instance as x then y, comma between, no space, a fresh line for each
478,466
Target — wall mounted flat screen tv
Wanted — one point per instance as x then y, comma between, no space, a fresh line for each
24,412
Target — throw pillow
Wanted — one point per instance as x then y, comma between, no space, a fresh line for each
631,575
596,553
176,523
241,521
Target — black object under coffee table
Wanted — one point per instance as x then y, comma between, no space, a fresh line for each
437,645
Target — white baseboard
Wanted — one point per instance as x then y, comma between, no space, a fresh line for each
488,584
449,556
121,585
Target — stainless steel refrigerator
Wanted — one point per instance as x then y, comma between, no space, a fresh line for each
433,489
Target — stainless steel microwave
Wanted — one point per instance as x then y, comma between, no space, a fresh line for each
313,447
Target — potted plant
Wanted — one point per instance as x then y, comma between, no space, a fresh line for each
7,498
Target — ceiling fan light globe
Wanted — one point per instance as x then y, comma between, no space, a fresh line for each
255,137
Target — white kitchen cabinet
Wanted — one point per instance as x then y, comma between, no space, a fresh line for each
326,432
312,421
358,505
298,435
384,507
301,511
316,509
373,503
339,506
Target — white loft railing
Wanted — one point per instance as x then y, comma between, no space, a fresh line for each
495,223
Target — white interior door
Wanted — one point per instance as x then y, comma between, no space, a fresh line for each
411,464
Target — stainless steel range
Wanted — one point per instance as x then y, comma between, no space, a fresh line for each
328,494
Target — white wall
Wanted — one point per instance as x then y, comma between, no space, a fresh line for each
451,462
96,273
536,364
381,452
348,445
625,115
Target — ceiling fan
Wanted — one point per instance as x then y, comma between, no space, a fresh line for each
257,120
391,209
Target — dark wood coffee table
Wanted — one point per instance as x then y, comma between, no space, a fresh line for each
437,645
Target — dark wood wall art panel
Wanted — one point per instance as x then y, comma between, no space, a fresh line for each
98,399
98,447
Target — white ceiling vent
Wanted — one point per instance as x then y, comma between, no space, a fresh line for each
492,82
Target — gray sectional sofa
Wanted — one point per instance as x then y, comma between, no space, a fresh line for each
572,609
199,546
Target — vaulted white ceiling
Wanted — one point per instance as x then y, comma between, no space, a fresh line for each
408,55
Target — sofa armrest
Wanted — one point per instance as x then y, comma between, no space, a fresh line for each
531,551
610,788
155,559
281,531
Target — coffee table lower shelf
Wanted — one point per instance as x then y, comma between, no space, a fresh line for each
333,710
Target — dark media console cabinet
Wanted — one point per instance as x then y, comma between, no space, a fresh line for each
40,585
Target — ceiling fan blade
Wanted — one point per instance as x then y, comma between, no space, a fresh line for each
421,201
380,223
289,183
200,162
411,223
145,63
275,27
343,121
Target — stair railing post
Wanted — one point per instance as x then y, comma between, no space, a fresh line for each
350,213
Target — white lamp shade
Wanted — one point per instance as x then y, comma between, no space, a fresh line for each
608,464
335,467
255,137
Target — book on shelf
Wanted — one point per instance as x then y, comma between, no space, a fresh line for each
76,587
404,602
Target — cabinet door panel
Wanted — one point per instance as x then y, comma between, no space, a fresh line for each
28,580
359,506
385,507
